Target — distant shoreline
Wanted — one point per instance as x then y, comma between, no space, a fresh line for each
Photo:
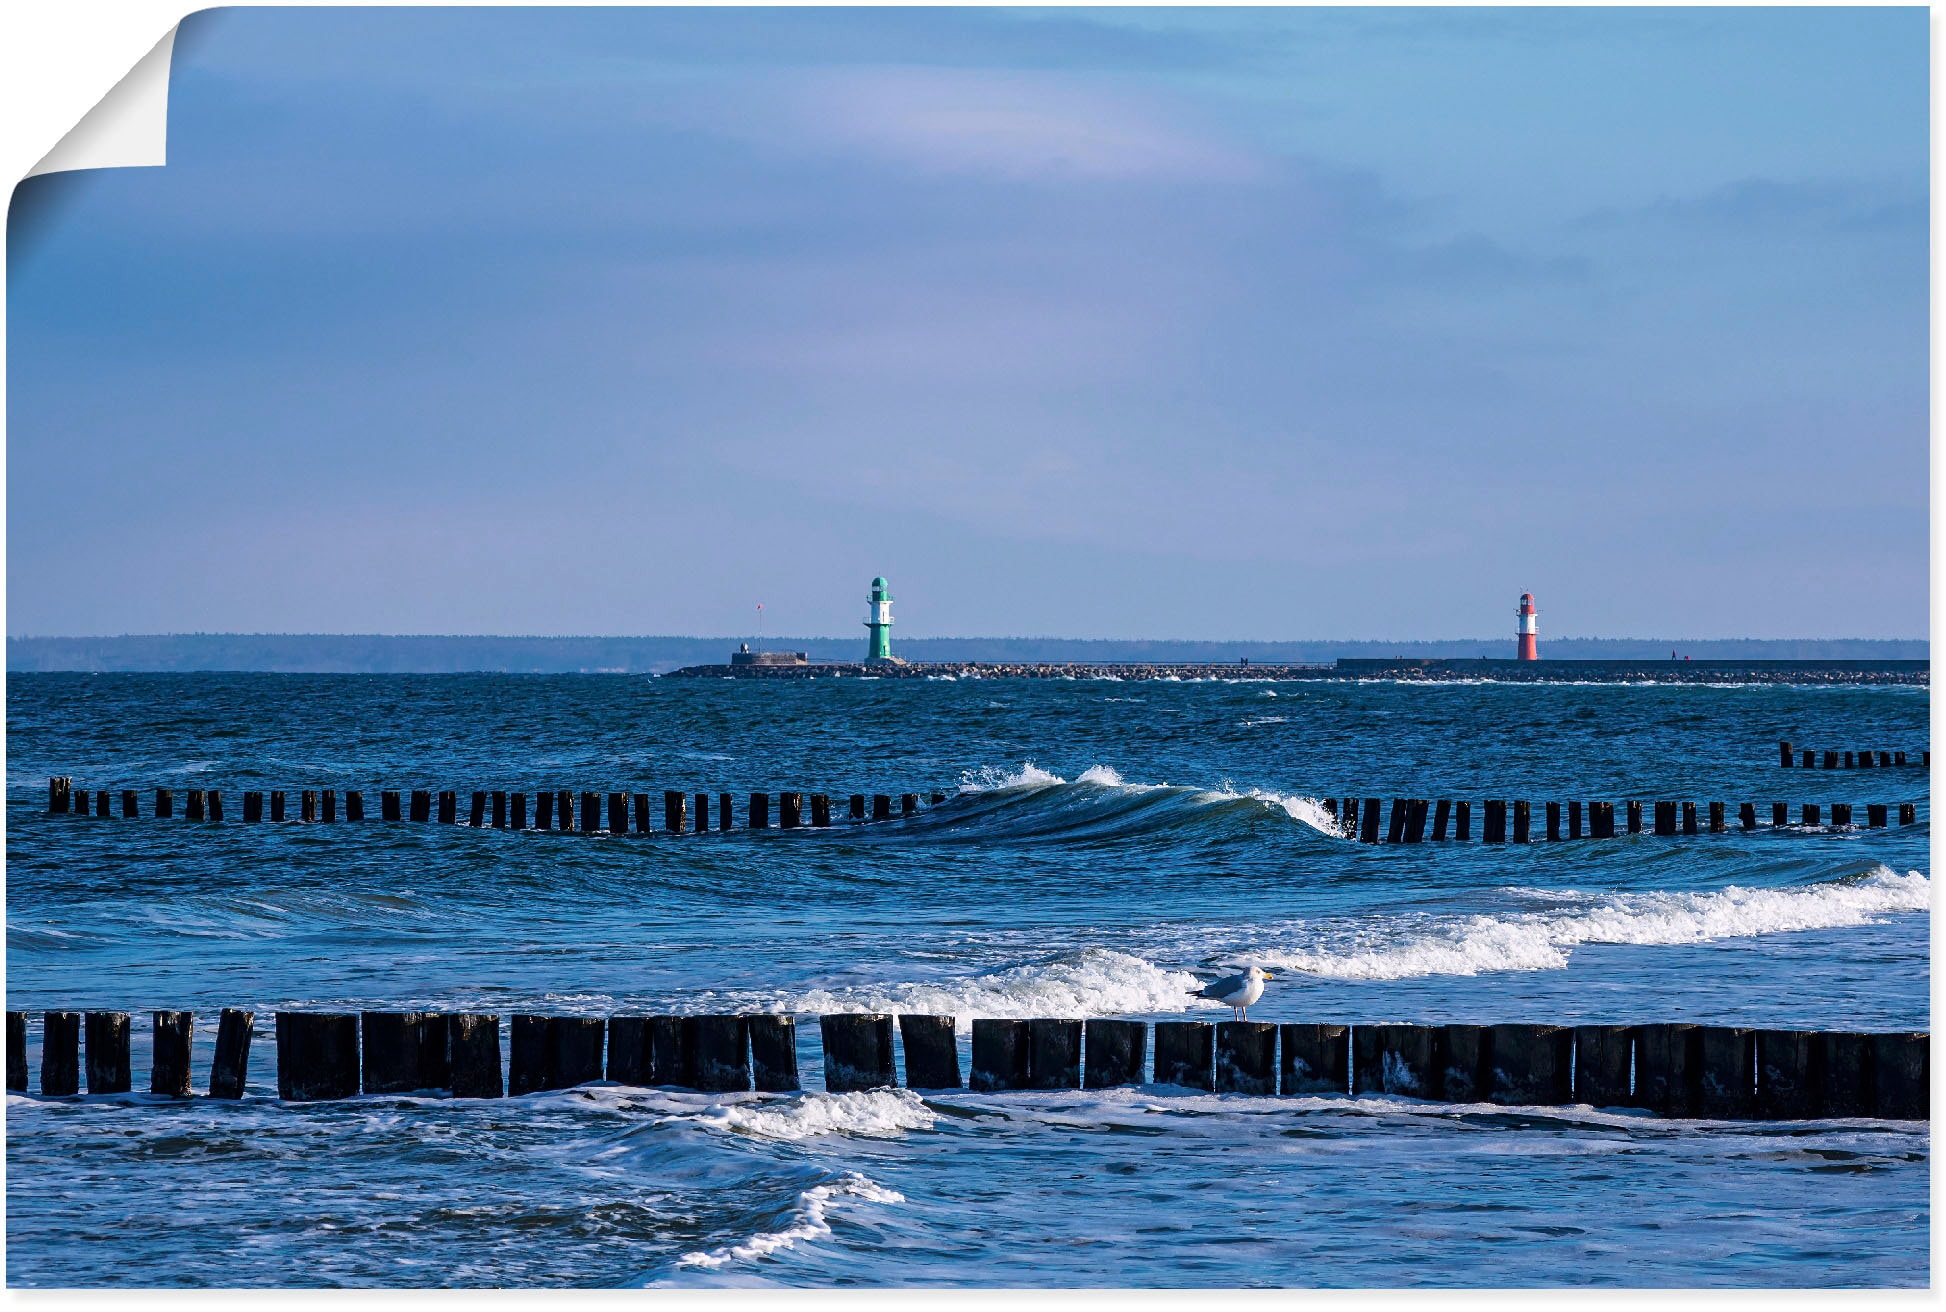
651,654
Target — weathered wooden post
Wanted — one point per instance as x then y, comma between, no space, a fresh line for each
131,805
628,1051
1415,820
1601,1064
1726,1072
165,805
531,1056
448,806
1784,750
1554,822
388,804
1634,817
719,1053
1831,760
1395,1059
1523,821
195,811
1462,821
404,1051
499,808
760,810
1899,758
723,815
1053,1054
1903,1065
1848,764
422,805
1908,813
1865,761
820,811
277,806
1665,819
1810,759
544,809
307,805
101,804
1574,820
327,804
881,807
1348,818
674,811
590,812
618,813
577,1048
108,1052
1780,814
1316,1059
1367,833
1185,1054
790,809
1395,826
1442,816
1689,818
517,805
1840,815
1246,1057
354,806
1810,814
1531,1065
477,816
702,813
1875,815
475,1055
1495,830
938,798
669,1056
1790,1075
857,1052
1115,1051
317,1055
16,1052
80,800
171,1032
253,808
1462,1062
858,806
1848,1085
931,1052
60,791
773,1049
908,804
1668,1060
1002,1053
60,1053
230,1070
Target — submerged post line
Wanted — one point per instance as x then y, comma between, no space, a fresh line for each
1674,1070
560,811
1360,821
1790,756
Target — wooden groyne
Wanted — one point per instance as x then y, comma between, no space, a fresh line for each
1856,759
1422,820
557,811
1410,670
1680,1070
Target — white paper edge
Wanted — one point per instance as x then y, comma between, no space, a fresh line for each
128,127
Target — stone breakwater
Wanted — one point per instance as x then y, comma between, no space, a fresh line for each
1417,671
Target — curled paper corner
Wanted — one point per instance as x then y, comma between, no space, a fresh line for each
128,127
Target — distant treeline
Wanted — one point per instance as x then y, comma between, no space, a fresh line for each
373,653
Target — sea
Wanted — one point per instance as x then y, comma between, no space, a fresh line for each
1103,847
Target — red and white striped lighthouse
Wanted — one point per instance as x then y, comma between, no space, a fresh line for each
1527,635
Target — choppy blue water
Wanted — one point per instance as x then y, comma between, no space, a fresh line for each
1103,842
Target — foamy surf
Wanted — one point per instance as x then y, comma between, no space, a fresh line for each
1106,779
1091,982
1402,947
880,1114
808,1221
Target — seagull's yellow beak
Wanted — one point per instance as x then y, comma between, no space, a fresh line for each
1268,975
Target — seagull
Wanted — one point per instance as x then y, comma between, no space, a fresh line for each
1236,991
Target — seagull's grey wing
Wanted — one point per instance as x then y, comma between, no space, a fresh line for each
1223,988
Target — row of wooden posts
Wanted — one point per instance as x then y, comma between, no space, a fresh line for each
1855,760
1674,1070
1363,819
499,809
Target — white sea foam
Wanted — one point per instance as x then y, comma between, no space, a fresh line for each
991,779
1404,947
881,1113
1090,982
807,1221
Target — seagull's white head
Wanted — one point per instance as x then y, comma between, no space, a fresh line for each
1258,972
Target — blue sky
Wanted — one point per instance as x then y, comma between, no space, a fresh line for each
1157,323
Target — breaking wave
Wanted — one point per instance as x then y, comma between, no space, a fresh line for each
1401,947
881,1113
1033,800
808,1220
1090,982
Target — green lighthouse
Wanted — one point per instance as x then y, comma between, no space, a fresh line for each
879,620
